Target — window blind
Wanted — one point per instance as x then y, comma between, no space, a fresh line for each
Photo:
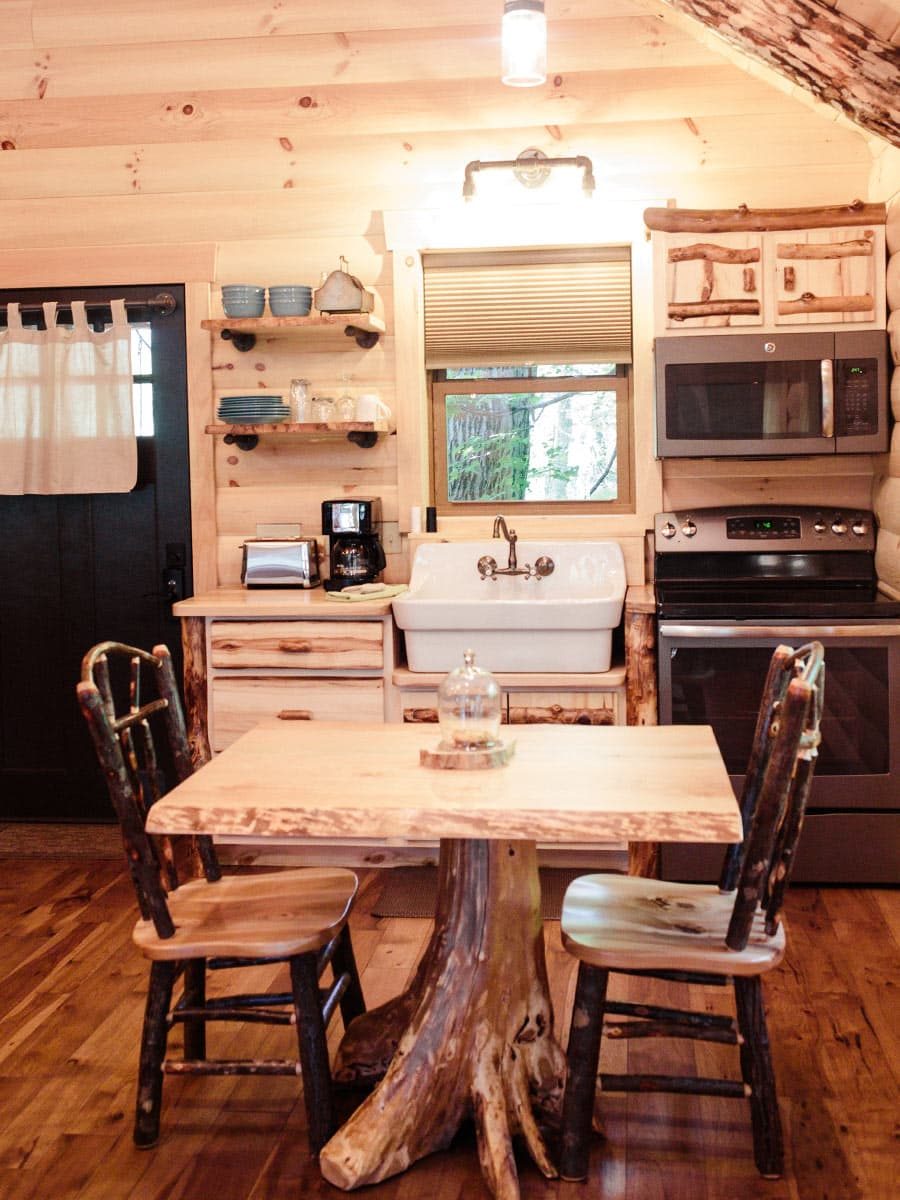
513,307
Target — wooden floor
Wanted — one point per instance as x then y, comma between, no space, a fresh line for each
71,1000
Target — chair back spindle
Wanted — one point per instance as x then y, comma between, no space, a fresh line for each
774,687
784,769
127,750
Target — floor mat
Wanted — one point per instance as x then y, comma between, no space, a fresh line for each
411,891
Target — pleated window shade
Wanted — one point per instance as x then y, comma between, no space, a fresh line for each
513,307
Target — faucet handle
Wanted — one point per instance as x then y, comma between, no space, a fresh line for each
544,566
487,566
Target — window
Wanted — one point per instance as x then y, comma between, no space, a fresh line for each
528,355
142,385
539,434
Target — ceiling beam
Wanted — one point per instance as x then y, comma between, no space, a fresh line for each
828,54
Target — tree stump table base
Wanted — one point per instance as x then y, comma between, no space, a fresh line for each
471,1037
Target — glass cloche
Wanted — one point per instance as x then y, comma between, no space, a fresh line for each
469,708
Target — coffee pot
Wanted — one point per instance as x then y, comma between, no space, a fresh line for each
356,554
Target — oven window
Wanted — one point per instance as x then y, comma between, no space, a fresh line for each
740,401
721,686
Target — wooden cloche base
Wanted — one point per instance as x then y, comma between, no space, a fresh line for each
454,758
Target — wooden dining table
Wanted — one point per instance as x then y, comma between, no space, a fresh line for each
473,1034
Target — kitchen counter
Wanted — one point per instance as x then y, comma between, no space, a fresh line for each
311,603
314,603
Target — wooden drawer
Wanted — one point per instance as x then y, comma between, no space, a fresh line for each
315,645
532,708
239,703
565,708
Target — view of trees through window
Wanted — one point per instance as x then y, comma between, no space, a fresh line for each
530,433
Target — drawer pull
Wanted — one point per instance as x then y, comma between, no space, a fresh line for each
295,714
291,647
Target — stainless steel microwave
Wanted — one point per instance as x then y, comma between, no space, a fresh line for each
766,395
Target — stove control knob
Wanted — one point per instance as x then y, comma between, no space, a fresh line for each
819,525
838,524
860,526
689,528
668,530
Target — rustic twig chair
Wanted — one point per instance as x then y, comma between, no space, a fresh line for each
214,922
698,933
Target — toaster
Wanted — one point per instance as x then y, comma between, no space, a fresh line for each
280,562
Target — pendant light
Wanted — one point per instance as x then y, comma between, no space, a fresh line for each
524,43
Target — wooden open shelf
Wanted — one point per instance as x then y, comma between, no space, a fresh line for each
363,433
331,331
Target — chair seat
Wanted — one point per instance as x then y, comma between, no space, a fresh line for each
270,915
625,922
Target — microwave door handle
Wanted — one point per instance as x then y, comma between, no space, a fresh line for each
827,371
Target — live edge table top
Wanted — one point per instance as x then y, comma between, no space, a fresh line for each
287,779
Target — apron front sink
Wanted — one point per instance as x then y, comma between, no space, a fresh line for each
561,623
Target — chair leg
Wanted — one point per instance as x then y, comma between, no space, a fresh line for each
195,997
344,963
153,1051
317,1089
758,1073
583,1056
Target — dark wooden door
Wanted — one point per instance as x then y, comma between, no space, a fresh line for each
87,568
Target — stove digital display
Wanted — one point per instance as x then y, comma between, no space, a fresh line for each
762,528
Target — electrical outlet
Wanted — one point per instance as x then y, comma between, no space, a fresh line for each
390,537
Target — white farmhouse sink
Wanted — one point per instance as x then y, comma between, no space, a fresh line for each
563,622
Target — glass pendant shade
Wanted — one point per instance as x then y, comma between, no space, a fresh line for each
469,708
524,43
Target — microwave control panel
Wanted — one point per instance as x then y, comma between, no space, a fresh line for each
856,397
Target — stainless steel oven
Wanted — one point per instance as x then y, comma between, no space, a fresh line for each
731,585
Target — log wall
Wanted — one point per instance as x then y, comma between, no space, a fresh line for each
887,486
280,135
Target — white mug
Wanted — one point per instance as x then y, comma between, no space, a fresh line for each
370,408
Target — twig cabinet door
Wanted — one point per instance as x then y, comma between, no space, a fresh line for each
712,282
821,275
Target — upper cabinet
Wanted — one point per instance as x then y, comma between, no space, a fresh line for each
742,270
712,283
826,275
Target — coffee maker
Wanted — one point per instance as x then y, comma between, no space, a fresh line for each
354,548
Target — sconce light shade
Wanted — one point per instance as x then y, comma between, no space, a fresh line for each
524,43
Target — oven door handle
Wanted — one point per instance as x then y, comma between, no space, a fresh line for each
790,632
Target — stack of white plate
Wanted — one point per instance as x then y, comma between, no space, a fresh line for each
253,410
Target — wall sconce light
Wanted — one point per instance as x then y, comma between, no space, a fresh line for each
531,169
524,40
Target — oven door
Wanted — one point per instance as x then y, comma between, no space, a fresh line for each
712,673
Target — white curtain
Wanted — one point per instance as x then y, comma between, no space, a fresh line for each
66,413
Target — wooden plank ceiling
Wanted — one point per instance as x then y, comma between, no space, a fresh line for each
237,119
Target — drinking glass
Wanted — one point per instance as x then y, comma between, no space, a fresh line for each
322,408
301,405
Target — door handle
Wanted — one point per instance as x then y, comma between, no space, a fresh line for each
827,374
173,584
